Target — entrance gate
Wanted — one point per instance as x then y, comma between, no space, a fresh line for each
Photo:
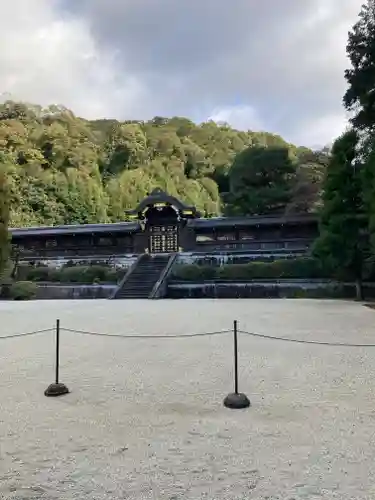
163,219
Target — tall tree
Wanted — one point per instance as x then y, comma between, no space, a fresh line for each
341,246
4,218
309,179
368,187
360,95
261,180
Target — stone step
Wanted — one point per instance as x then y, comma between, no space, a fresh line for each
143,278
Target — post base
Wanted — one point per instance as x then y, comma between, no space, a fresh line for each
236,401
55,390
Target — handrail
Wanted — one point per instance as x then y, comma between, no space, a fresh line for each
165,273
126,276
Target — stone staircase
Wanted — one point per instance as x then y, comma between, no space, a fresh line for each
140,282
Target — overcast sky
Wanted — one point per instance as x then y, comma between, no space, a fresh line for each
275,65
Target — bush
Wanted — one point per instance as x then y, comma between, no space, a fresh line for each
21,290
71,274
194,272
40,273
306,268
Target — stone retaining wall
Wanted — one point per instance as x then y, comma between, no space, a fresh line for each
270,289
74,291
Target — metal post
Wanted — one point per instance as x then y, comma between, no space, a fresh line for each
57,351
235,332
57,389
236,400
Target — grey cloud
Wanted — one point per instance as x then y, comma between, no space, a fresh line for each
178,36
282,60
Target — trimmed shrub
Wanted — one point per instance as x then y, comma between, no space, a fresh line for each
40,273
194,272
306,268
71,274
22,290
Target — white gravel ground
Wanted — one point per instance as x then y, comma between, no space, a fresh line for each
145,420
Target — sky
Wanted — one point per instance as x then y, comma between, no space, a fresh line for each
274,65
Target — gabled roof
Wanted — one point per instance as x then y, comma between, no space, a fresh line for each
159,196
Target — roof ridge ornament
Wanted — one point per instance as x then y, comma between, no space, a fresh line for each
157,191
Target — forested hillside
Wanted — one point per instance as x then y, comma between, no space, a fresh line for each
63,169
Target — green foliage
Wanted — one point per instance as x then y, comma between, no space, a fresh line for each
360,96
368,189
262,180
341,244
304,268
307,189
66,170
4,215
19,290
194,272
71,274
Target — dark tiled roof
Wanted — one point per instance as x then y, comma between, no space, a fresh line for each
263,220
75,229
215,222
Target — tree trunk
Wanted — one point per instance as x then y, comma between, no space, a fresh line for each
359,290
15,267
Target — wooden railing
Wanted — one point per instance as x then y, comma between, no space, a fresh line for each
261,246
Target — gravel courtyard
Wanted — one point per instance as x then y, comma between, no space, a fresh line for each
145,419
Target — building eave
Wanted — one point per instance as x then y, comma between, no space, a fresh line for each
267,220
72,230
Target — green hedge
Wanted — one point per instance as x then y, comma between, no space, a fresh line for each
18,290
71,274
306,268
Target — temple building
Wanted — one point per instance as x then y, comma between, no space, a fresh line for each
162,224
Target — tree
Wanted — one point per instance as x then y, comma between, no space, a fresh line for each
309,179
64,170
360,95
341,246
261,180
368,187
4,218
126,148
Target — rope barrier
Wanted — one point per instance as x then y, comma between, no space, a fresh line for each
299,341
188,335
36,332
234,400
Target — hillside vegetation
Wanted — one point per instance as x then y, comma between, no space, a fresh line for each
63,169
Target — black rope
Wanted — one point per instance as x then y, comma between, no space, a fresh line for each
188,335
25,334
298,341
82,332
